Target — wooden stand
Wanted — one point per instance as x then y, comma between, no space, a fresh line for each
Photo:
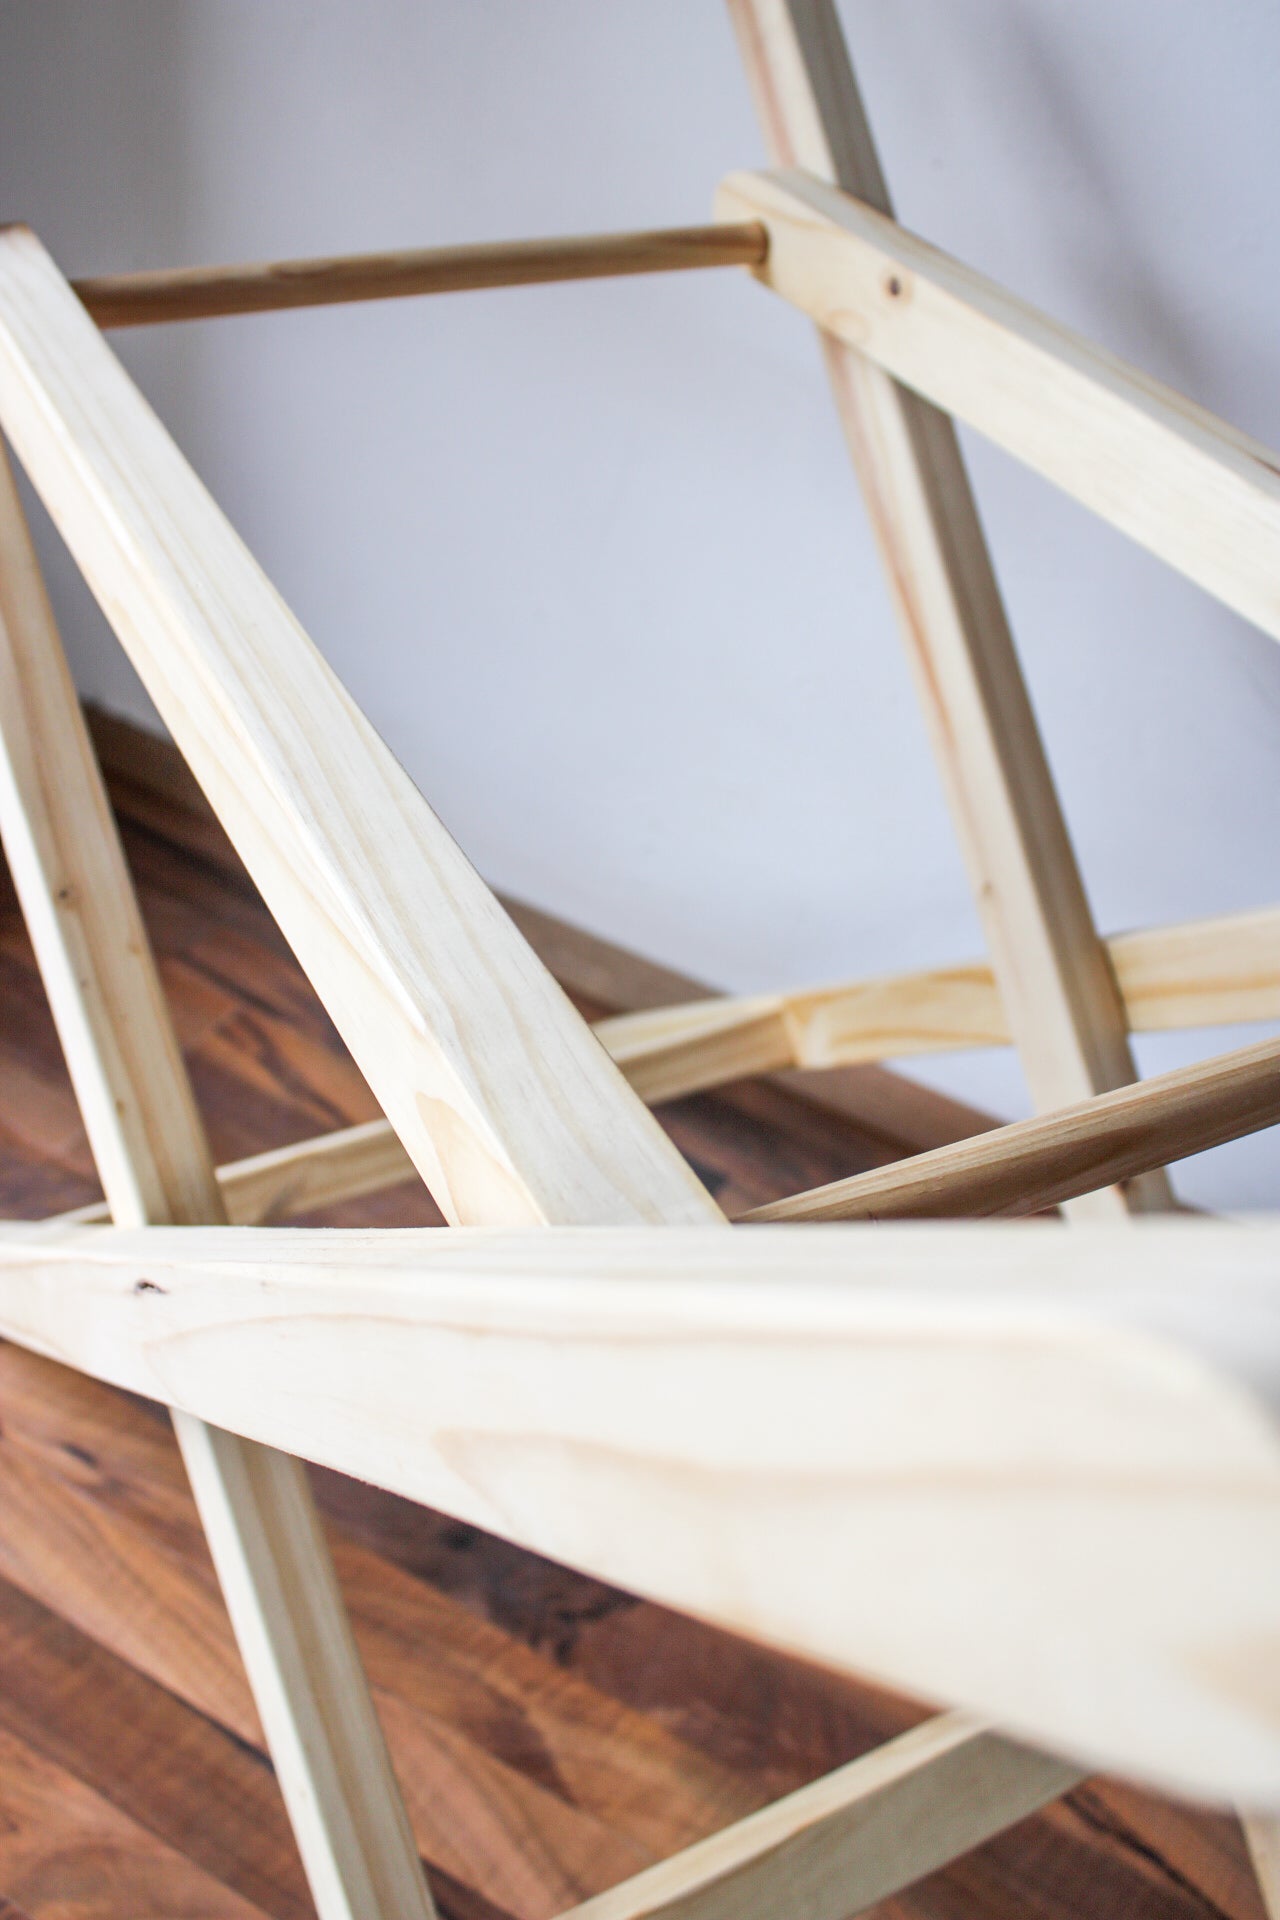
786,1431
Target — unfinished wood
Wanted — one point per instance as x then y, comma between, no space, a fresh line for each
1202,973
1197,974
1023,1470
1196,492
314,1173
1060,996
1040,1163
152,1157
862,1833
1262,1833
197,293
104,1460
522,1782
149,773
509,1109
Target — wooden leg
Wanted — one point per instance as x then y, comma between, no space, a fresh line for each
853,1838
154,1162
1063,1004
1262,1832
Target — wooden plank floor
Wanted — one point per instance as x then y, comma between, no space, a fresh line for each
552,1735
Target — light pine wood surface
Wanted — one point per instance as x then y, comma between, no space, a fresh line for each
848,1841
1198,973
1201,495
1059,993
508,1107
152,1156
1040,1163
1030,1471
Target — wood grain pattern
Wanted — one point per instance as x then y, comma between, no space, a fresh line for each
1060,1402
640,1672
155,1164
153,785
509,1109
198,293
1202,496
1040,1163
1060,995
1200,973
848,1841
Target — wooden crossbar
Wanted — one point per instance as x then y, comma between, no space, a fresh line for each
508,1108
1196,492
1059,993
863,1445
852,1839
153,1159
270,286
1198,973
1042,1162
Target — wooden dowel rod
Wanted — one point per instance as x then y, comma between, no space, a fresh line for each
200,293
1039,1163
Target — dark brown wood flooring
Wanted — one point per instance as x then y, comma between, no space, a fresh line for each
551,1735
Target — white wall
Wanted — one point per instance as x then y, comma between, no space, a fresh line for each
591,557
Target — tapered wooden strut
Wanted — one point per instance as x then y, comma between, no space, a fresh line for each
689,1414
1041,1163
508,1107
149,1146
1061,998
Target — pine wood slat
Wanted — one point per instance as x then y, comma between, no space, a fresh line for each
1202,496
1107,1849
154,1162
1039,1163
152,786
1200,973
998,1449
1060,996
522,1782
837,1847
507,1106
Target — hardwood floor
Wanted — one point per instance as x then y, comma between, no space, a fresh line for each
552,1735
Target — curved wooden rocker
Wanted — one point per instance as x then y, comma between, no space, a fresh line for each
1031,1473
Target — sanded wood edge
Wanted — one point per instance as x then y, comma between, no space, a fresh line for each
507,1106
1042,1162
269,286
1199,973
1059,994
907,1116
851,1839
149,1146
1199,494
969,1460
266,1188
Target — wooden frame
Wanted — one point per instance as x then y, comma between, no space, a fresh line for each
839,1406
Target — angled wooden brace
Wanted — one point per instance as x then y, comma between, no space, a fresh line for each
153,1160
508,1106
1061,998
255,1501
1035,1471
